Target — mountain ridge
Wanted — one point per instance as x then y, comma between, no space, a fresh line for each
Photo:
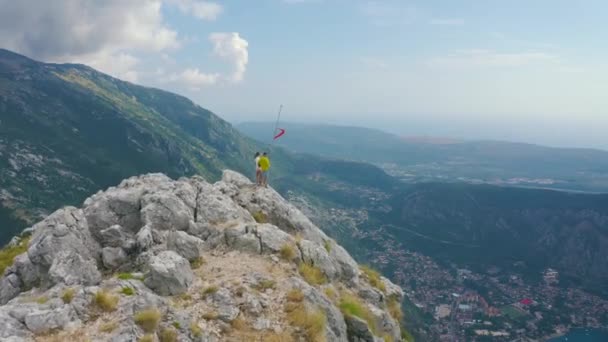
266,272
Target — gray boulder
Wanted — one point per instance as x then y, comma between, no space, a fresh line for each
272,239
169,274
358,330
28,273
216,209
70,268
184,244
144,238
10,286
113,257
42,321
116,236
316,254
336,326
165,211
11,329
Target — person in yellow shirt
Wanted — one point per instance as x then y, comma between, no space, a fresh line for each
264,164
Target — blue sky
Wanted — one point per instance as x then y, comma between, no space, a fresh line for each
531,70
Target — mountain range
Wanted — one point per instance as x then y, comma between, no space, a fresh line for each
415,160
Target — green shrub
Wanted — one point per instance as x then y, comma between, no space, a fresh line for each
127,291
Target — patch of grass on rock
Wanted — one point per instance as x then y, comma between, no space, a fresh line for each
8,254
373,277
287,252
148,319
68,295
106,301
312,274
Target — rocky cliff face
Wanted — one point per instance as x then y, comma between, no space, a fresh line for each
158,259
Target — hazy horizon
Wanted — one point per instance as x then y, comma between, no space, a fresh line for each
513,71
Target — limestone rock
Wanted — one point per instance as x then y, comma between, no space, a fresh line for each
113,257
42,321
358,330
10,286
70,268
188,246
169,274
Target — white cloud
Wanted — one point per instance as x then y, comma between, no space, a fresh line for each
193,78
447,21
103,34
109,36
489,58
232,48
205,10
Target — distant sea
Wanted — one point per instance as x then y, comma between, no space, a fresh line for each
583,335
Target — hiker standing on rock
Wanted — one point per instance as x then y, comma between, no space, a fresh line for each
264,165
258,170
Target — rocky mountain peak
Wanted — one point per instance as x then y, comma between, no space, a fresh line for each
156,259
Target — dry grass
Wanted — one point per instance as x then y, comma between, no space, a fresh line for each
61,336
351,305
287,252
295,295
210,315
8,254
147,338
312,274
373,277
240,291
388,338
260,217
208,291
195,330
108,327
106,301
197,263
310,322
276,337
239,324
68,295
265,284
148,319
168,335
331,293
394,308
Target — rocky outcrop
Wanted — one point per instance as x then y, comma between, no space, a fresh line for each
153,255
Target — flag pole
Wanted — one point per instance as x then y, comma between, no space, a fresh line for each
276,126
